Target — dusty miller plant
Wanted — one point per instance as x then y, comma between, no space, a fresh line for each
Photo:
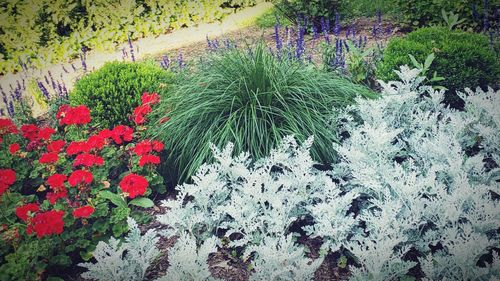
126,260
255,203
429,175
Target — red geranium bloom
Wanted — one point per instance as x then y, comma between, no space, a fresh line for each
47,223
122,133
55,146
105,134
83,212
7,126
54,196
96,142
77,147
143,147
62,111
149,159
30,131
158,146
88,160
7,177
46,133
80,176
56,180
22,212
150,98
49,158
134,185
13,148
77,115
140,113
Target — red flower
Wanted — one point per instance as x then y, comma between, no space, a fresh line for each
77,115
56,180
83,212
158,146
140,113
47,223
13,148
7,126
56,146
7,178
150,98
80,176
77,147
122,133
22,212
54,196
30,131
105,134
134,185
49,158
88,160
46,133
143,147
149,159
96,142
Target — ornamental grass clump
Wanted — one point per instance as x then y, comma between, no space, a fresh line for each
253,99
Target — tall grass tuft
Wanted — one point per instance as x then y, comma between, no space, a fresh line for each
253,99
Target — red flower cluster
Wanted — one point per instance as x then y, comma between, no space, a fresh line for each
56,146
49,158
23,212
88,160
80,176
7,178
144,148
83,212
144,109
47,223
77,115
13,148
56,182
134,185
7,127
122,133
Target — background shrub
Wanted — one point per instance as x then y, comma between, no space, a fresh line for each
113,91
314,10
465,59
252,99
425,12
49,31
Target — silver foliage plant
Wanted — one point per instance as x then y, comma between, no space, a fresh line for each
255,204
128,260
428,175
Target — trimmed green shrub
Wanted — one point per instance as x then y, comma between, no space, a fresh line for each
465,59
253,99
425,12
313,9
113,91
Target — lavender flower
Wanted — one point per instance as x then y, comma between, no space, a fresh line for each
10,109
131,48
325,27
44,91
379,17
277,37
337,27
180,61
300,43
165,63
65,90
315,32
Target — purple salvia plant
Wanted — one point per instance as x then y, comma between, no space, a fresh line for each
44,91
180,61
337,28
277,37
84,64
165,63
300,43
325,29
131,47
65,90
10,109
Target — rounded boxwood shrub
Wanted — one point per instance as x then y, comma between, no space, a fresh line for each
113,91
464,59
252,99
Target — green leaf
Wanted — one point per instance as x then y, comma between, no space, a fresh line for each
142,202
114,198
429,60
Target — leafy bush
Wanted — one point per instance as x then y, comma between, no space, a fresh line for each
430,179
426,12
315,10
42,31
465,59
65,188
115,90
252,99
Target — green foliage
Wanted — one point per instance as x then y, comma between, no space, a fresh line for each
53,30
268,19
425,12
252,99
115,90
367,8
313,9
465,59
